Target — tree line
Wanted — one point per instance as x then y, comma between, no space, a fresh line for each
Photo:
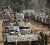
19,5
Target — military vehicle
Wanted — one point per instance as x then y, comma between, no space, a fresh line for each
15,34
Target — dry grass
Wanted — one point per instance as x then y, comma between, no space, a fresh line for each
1,39
38,27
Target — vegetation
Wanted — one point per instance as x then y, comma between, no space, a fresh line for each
19,5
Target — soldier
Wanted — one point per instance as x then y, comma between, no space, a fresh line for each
42,38
45,39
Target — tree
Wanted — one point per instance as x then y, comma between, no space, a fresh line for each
27,3
17,5
48,3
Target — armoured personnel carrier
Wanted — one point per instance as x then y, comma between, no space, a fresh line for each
15,34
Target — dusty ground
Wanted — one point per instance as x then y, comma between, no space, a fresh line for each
1,39
36,27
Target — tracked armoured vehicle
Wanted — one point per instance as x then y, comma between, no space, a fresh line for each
14,35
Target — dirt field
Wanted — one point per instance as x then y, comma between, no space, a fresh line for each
1,39
38,27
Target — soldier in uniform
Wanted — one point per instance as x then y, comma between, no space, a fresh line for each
45,39
42,38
